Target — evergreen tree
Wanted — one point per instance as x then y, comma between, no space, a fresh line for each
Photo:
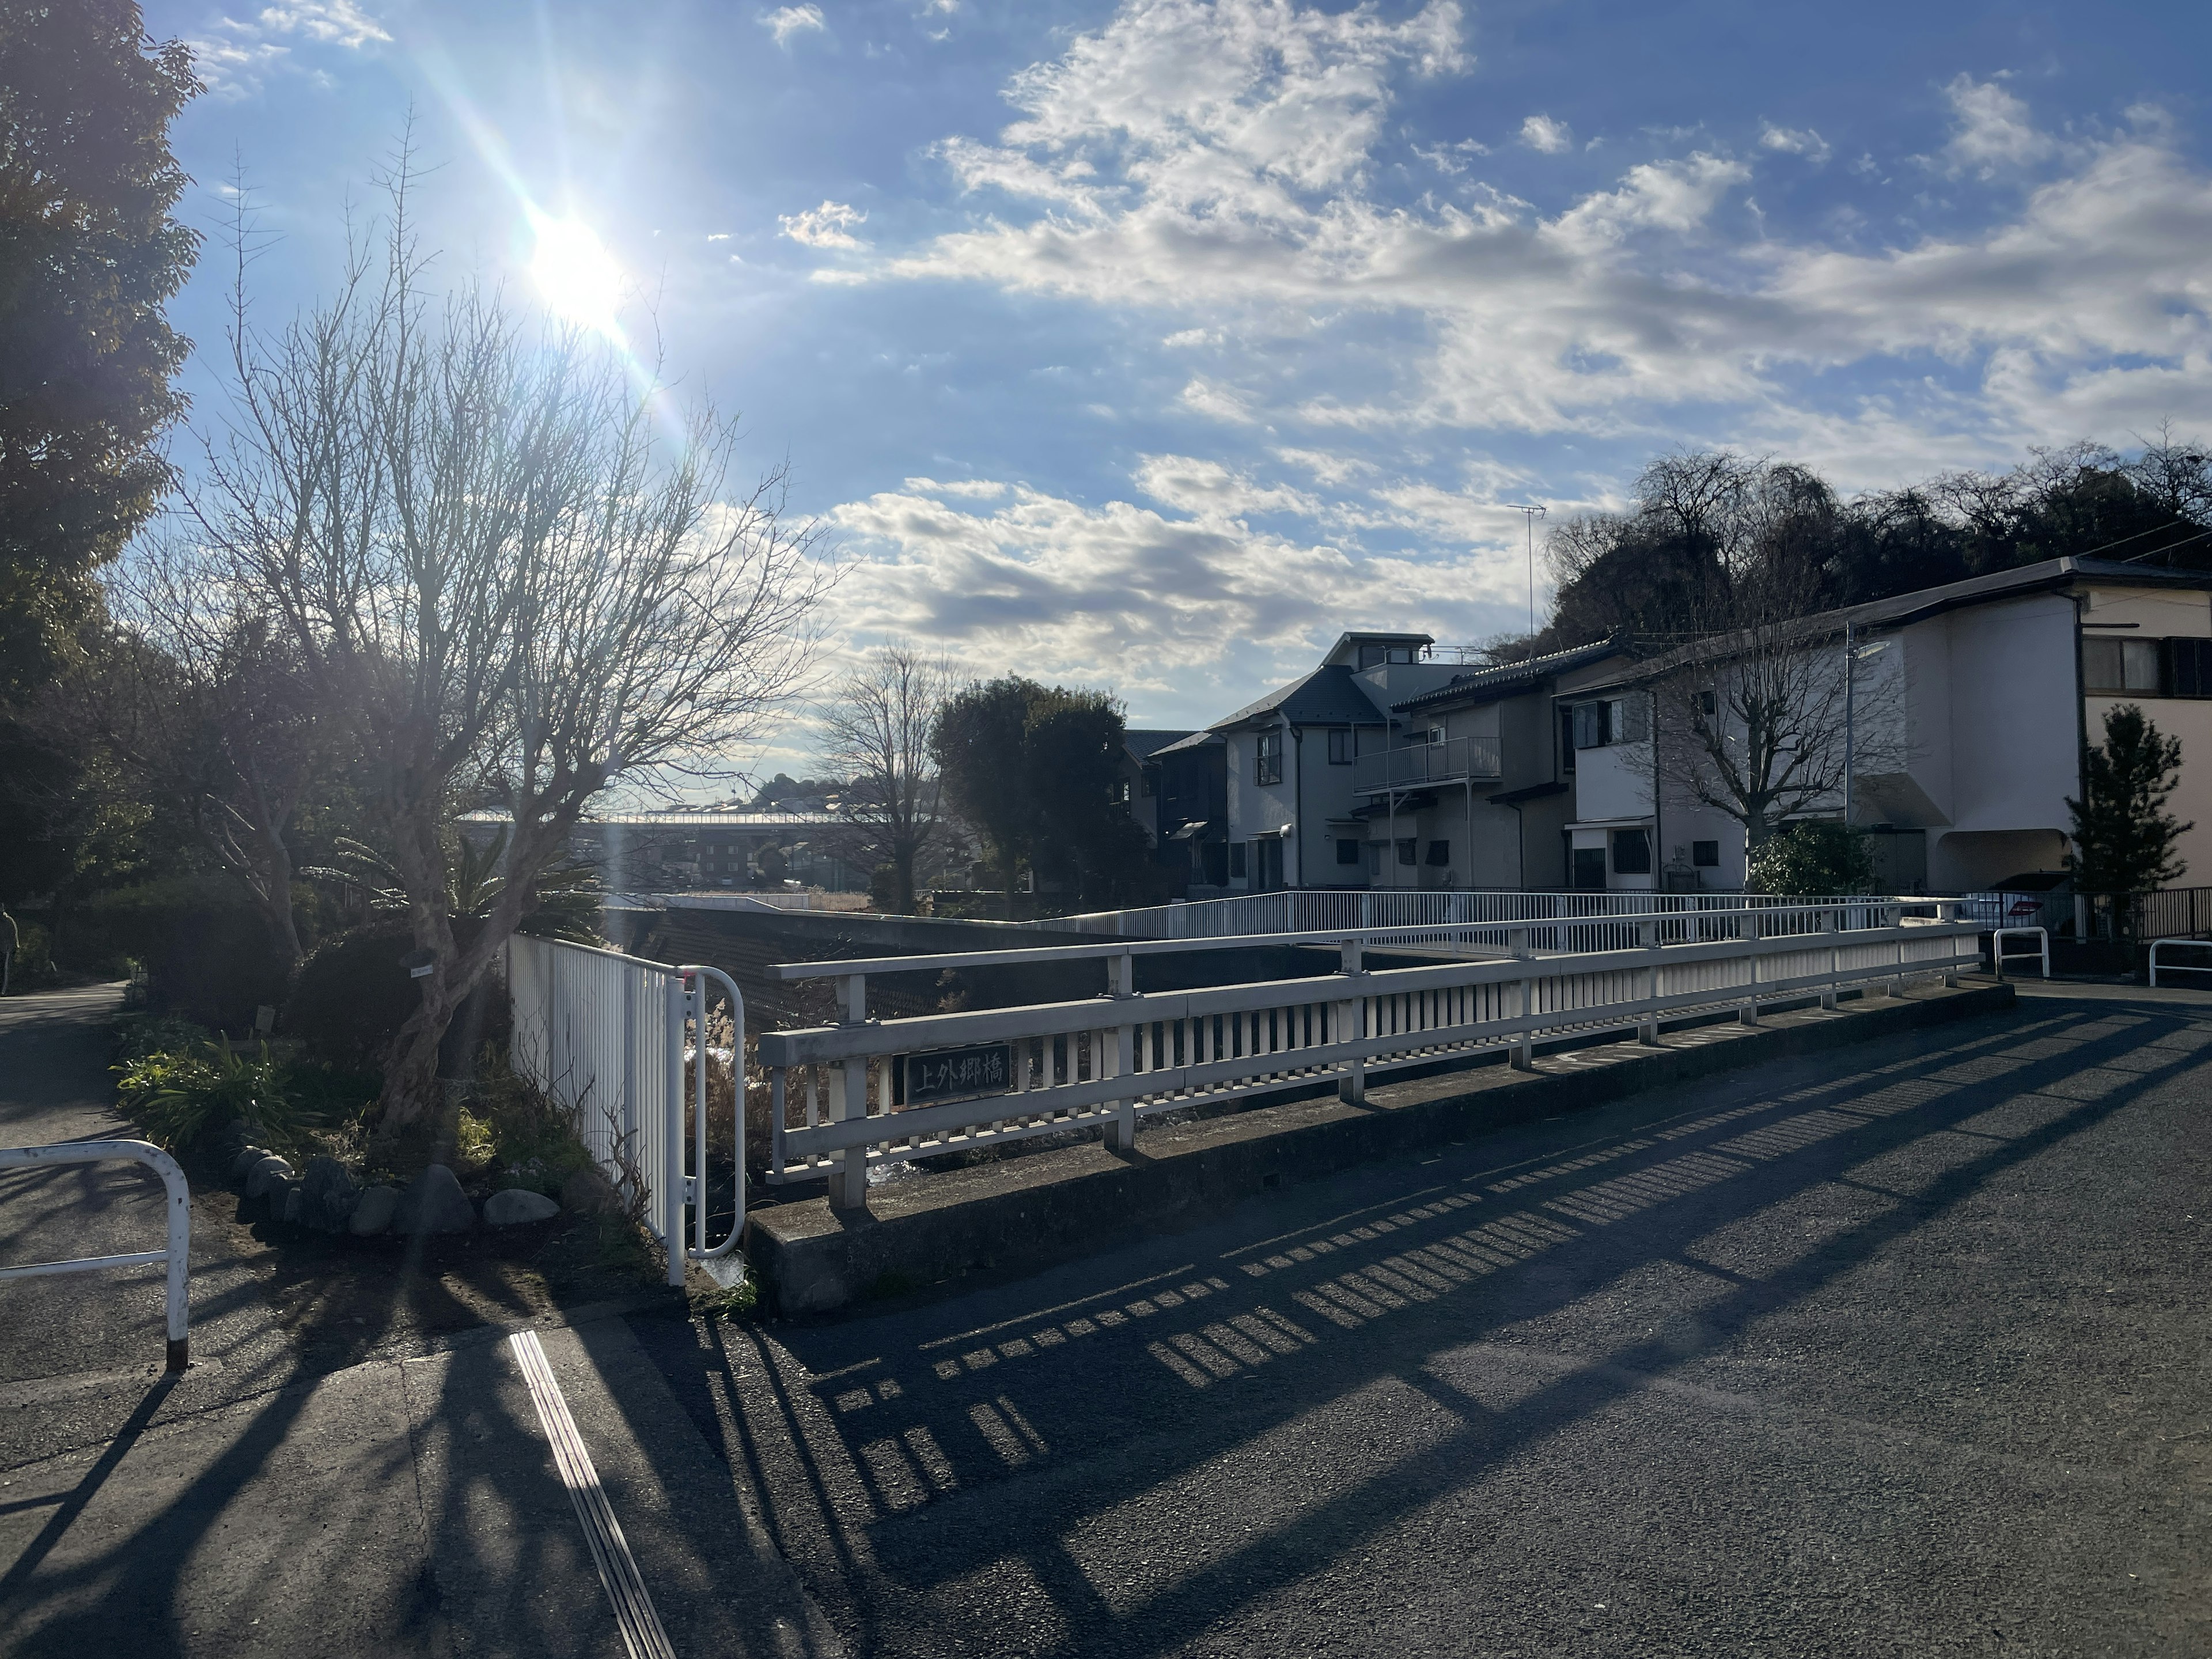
2124,837
89,255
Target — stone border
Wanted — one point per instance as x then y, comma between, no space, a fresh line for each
1047,1206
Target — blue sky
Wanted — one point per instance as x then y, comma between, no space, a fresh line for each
1151,345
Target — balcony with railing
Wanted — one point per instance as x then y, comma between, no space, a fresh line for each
1418,765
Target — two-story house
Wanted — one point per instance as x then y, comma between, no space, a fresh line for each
1384,768
1975,705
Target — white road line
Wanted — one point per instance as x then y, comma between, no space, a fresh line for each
640,1626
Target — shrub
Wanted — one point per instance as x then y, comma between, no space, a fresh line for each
33,968
138,1036
207,951
351,996
1812,860
527,1139
177,1096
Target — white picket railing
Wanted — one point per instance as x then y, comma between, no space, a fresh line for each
605,1036
1106,1061
1314,910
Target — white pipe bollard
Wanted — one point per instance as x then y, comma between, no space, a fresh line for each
175,1254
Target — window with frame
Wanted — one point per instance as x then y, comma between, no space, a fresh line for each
1343,745
1409,848
1589,869
1268,758
2120,666
1631,852
1347,850
1566,740
1236,860
1705,854
1439,852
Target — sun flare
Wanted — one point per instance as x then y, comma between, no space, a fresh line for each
580,279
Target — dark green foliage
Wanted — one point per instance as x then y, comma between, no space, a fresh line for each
2124,837
522,1139
567,895
351,996
1709,528
1035,767
206,950
1812,859
180,1095
88,256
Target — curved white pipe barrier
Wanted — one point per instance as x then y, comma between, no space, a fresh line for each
695,991
1999,955
180,1223
2177,967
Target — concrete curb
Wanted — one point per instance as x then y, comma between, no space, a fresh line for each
1045,1207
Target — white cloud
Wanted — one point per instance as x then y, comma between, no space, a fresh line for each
1180,615
1223,402
1990,129
982,488
1176,162
236,60
786,23
829,225
1212,493
1795,141
335,22
1547,137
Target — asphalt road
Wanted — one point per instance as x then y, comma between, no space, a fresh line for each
1894,1350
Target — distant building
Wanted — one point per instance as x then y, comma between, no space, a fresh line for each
683,847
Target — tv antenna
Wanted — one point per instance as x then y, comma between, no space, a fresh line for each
1531,513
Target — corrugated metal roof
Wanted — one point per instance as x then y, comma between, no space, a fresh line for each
1506,677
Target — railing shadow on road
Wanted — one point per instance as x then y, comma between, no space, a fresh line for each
914,1456
136,1585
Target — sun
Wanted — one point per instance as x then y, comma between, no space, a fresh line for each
580,279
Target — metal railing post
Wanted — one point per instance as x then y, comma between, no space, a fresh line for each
1524,1041
175,1254
848,1187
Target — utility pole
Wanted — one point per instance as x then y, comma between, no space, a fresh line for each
1850,642
1531,514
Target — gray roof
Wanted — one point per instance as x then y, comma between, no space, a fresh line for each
1327,696
1904,609
1144,742
1507,679
1196,740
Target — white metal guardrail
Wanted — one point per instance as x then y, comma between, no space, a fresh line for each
2177,967
1999,956
868,1091
174,1254
605,1036
1311,910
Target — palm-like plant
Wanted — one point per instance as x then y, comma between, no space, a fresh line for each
566,895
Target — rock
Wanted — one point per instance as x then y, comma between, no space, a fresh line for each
516,1206
589,1193
266,1174
435,1203
373,1211
248,1155
295,1198
329,1195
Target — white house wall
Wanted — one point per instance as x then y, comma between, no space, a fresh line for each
1613,782
2169,616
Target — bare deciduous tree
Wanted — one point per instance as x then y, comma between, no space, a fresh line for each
505,561
1762,720
876,732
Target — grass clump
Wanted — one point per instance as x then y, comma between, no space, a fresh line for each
177,1096
732,1302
